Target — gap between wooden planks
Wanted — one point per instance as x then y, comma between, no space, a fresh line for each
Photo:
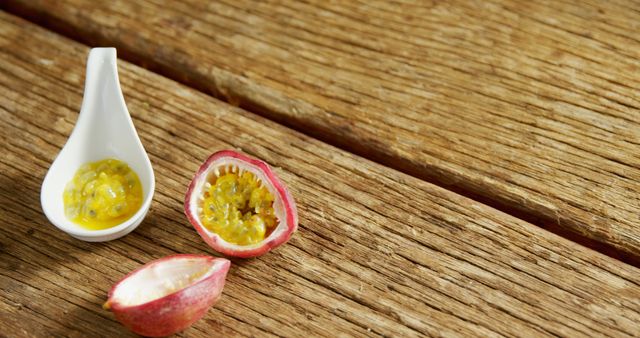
530,107
378,253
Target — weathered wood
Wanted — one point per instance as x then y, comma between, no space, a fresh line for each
532,107
378,253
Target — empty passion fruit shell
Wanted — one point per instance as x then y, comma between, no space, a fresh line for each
239,206
167,295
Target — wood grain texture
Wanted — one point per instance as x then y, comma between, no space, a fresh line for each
533,107
378,253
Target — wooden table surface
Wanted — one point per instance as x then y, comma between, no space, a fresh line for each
451,162
530,107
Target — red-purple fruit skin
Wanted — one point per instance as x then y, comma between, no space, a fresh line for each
174,312
281,191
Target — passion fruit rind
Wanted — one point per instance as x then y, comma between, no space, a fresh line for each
283,205
175,311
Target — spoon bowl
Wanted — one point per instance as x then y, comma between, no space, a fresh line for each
104,129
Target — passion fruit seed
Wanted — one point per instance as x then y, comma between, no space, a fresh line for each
237,207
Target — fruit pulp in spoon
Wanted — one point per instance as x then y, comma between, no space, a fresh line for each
102,194
237,206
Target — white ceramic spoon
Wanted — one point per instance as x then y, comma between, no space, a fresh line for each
104,130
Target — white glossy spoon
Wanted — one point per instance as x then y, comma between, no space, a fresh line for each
104,130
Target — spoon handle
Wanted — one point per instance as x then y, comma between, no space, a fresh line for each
102,93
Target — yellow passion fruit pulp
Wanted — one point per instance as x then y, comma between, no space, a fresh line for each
102,194
237,207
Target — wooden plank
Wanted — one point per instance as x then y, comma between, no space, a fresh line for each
378,253
531,107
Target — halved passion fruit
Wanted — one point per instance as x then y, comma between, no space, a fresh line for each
239,206
169,294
